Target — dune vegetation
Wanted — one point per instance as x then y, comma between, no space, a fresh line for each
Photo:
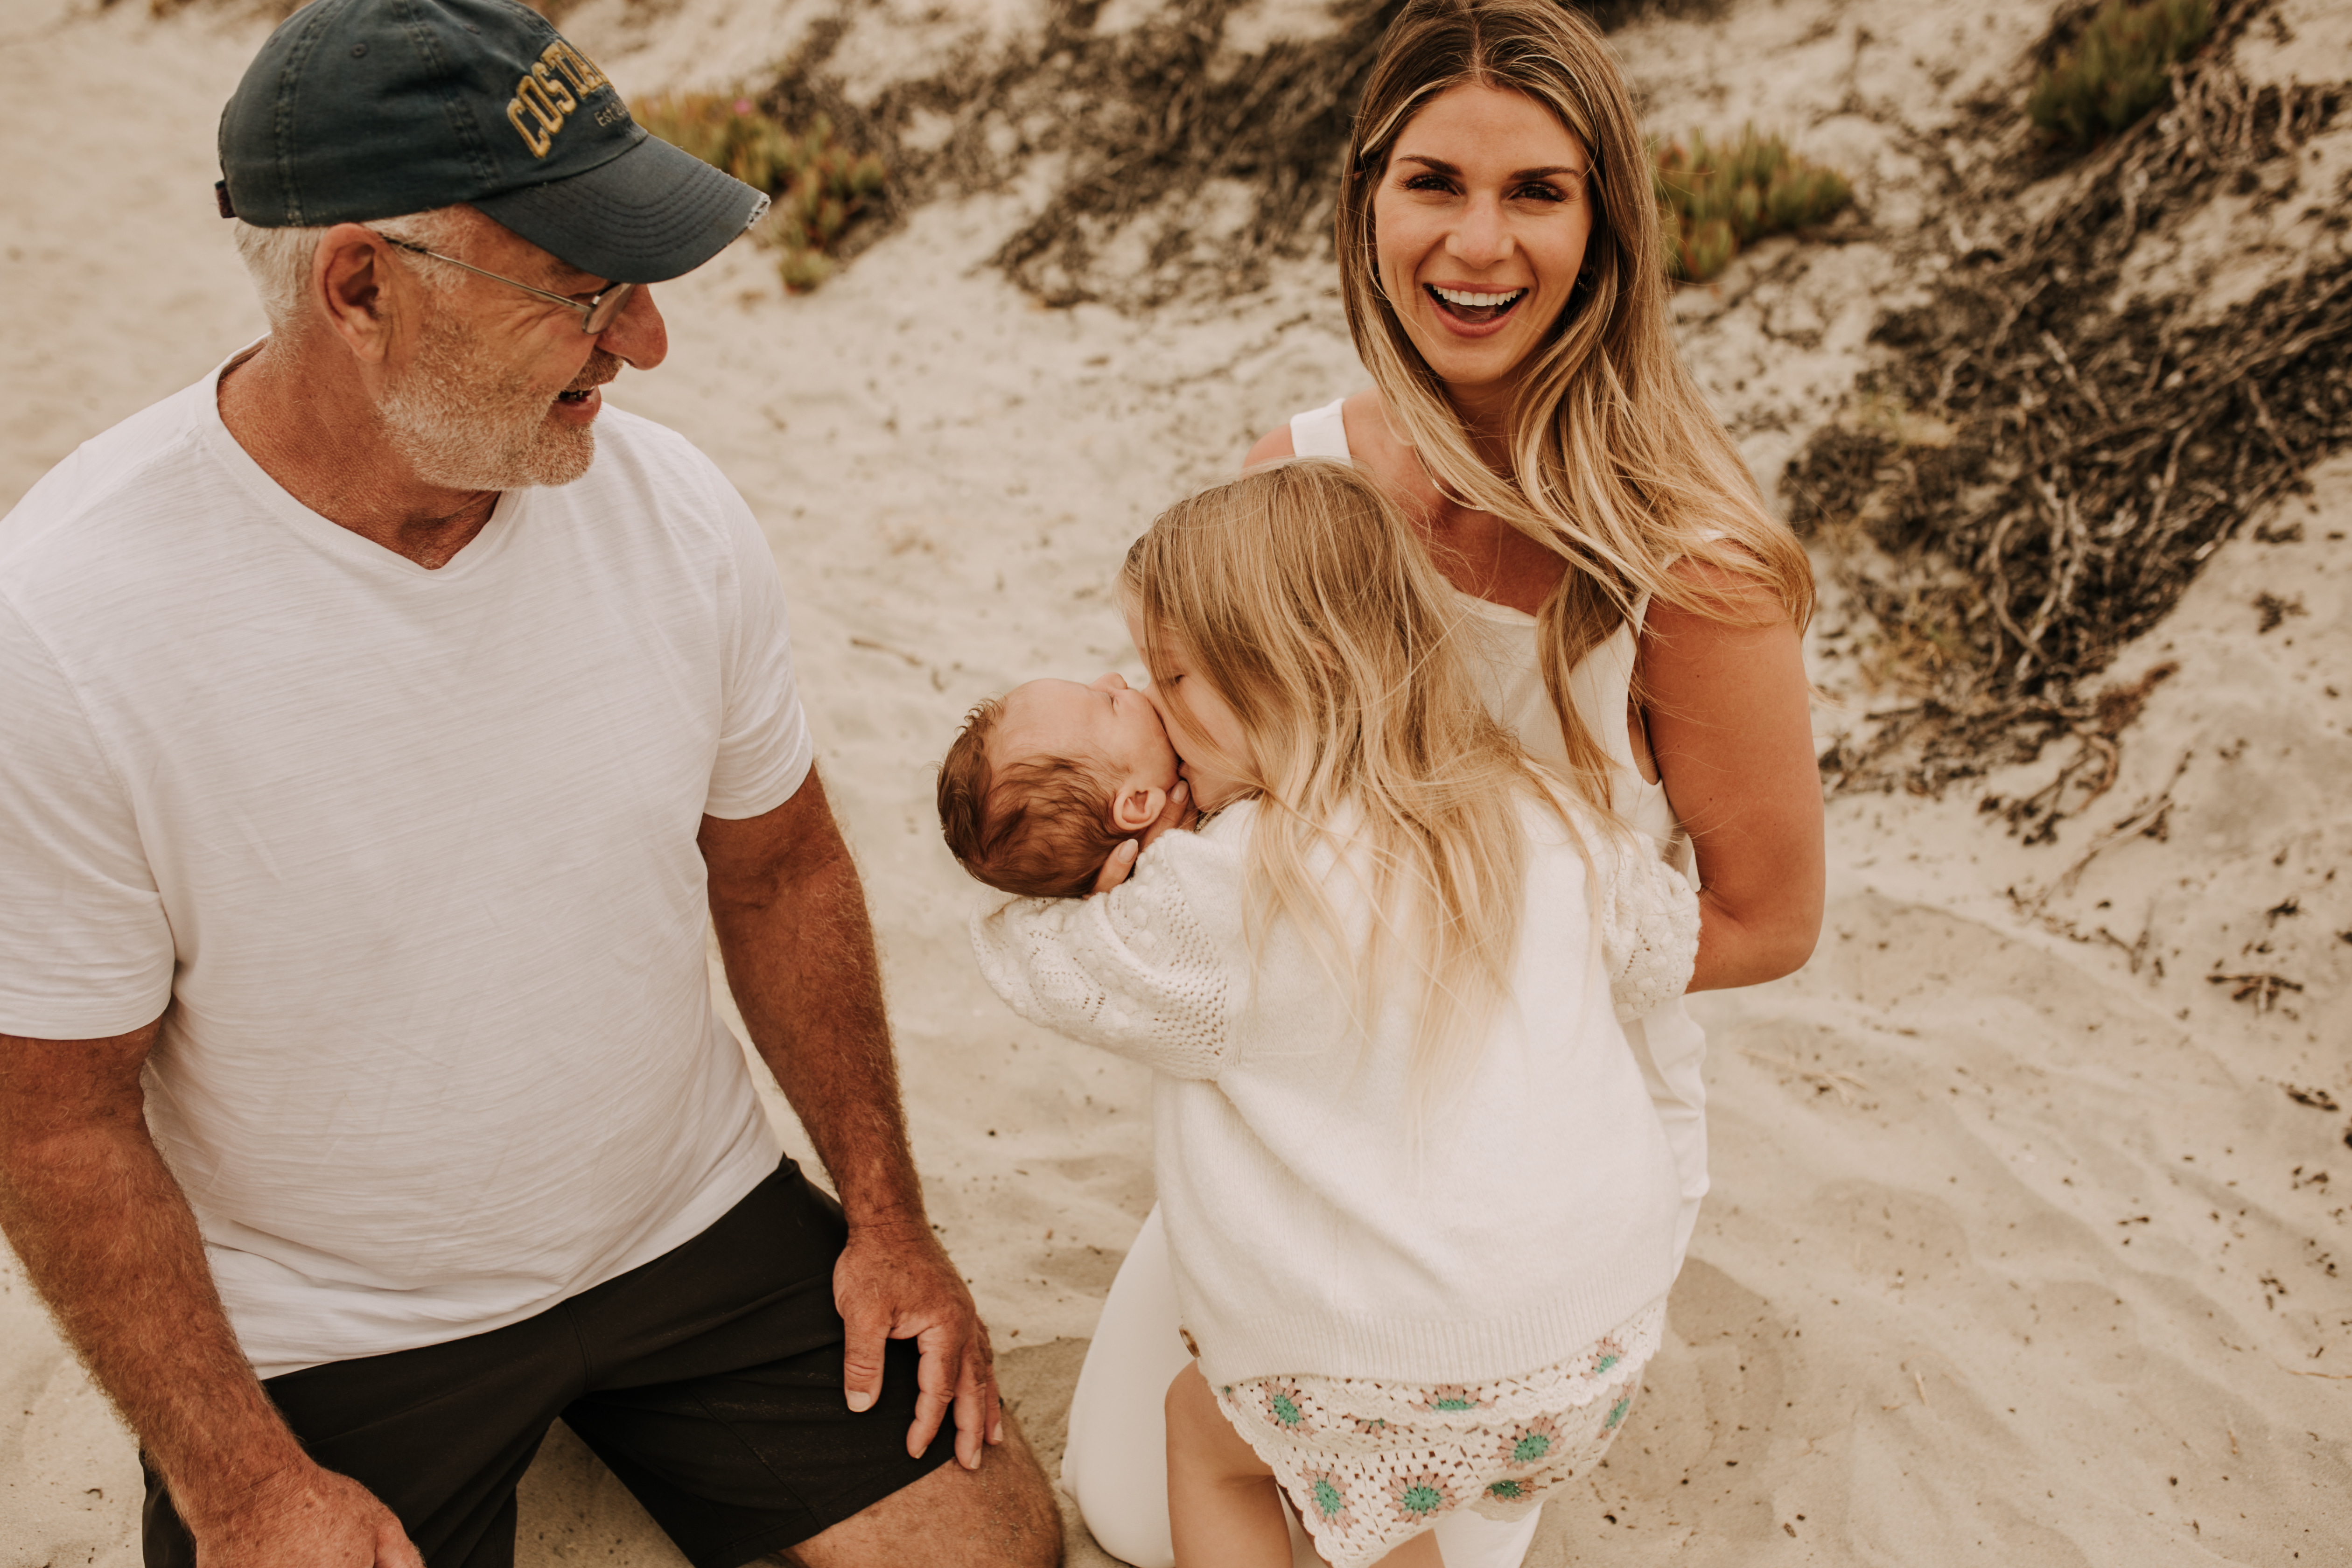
1714,198
821,188
2119,69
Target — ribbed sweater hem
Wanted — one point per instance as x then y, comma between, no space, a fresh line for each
1439,1344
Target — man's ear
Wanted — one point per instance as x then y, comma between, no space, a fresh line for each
352,285
1134,809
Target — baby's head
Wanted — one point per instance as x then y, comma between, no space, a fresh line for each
1046,780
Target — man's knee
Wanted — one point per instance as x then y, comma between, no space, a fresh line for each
1023,1525
1002,1515
1032,1535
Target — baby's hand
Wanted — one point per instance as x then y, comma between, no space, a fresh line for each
1177,813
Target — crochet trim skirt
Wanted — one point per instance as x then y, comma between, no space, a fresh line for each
1368,1465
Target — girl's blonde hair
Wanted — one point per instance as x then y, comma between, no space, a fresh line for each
1303,596
1615,462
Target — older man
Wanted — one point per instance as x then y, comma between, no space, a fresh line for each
383,714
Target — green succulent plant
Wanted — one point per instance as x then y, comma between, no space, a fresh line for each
819,187
1714,199
2119,69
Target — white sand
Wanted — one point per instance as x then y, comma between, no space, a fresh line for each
2018,1253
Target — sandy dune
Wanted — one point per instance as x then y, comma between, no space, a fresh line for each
2019,1250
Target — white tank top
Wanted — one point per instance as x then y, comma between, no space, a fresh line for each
1600,685
1668,1043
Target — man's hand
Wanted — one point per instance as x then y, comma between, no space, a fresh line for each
1177,813
800,959
307,1517
894,1282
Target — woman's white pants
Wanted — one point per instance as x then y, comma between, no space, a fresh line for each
1116,1465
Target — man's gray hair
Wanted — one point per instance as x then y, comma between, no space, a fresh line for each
280,258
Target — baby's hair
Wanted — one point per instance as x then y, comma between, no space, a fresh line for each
1299,593
1039,826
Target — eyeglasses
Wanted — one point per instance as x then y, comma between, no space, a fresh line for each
597,313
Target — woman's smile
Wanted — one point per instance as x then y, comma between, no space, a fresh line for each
1474,311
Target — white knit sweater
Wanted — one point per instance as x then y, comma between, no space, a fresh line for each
1309,1233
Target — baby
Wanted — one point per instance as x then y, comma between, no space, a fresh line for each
1053,781
1048,781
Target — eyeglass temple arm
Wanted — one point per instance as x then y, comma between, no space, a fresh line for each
554,299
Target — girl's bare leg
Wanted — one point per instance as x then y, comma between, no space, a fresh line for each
1224,1507
1421,1552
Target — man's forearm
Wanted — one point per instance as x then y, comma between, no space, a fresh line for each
801,963
800,960
109,1241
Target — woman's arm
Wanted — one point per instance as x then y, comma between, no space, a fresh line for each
1270,447
1729,718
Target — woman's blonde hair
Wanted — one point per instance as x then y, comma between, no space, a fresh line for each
1303,596
1615,462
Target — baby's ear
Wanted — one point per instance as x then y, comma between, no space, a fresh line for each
1135,807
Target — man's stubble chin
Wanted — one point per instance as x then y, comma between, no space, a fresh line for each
464,421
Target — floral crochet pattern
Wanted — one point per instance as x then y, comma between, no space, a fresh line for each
1369,1464
1326,1495
1283,1407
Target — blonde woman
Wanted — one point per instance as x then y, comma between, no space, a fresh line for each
1420,1203
1504,278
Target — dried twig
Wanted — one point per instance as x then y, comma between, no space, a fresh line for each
873,646
1823,1080
2139,822
2096,457
2261,990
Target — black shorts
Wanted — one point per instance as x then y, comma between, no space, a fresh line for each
708,1380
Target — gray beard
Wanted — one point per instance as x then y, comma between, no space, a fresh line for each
464,421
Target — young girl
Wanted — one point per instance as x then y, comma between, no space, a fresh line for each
1420,1205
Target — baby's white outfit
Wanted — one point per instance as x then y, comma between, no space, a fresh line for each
1402,1314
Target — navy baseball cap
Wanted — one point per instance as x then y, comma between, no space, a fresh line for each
357,109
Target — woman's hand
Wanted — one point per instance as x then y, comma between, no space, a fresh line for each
1730,724
1177,813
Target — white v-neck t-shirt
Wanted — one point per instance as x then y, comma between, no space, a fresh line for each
409,854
